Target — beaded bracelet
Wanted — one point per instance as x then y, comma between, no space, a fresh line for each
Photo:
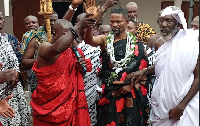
75,34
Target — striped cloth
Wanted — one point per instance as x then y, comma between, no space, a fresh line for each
91,79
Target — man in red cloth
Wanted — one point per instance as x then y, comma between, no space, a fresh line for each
60,99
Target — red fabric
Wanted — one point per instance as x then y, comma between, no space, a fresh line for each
60,98
112,124
133,93
124,75
120,104
136,52
1,124
143,89
143,64
103,101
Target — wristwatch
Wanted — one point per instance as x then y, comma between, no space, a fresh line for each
71,8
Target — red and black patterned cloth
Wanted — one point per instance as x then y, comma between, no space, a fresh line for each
124,110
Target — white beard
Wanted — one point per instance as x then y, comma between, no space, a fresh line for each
166,38
171,34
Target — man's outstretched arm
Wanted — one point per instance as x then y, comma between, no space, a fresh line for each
48,50
69,14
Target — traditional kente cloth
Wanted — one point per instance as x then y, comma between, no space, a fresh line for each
60,99
91,79
18,102
41,36
144,32
129,109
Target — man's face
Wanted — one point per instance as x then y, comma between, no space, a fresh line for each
31,23
132,12
118,23
195,24
131,27
53,18
1,21
168,26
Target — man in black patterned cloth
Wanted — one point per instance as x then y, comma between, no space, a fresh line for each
121,103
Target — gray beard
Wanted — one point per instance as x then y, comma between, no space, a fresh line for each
167,36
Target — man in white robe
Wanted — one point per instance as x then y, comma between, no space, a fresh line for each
175,95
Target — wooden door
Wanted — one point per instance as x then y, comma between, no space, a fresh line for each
21,9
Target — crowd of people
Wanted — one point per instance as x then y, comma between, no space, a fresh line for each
90,74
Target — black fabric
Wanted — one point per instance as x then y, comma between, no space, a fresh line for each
134,103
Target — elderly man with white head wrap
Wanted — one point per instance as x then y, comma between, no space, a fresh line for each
175,95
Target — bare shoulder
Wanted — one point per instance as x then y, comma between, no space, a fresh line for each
159,42
44,45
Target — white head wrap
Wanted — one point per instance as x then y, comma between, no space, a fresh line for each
177,14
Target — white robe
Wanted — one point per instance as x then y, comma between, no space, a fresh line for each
175,62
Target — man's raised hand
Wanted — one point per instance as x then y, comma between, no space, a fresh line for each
76,2
87,21
90,7
110,3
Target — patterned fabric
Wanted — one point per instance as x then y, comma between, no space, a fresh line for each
59,99
91,79
144,32
123,110
18,102
151,54
151,59
16,45
27,37
41,36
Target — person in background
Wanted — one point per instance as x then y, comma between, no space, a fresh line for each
10,38
9,82
195,23
144,31
90,78
31,23
131,27
104,30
